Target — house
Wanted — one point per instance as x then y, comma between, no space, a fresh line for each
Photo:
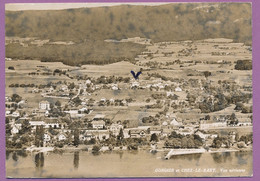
7,113
35,123
46,138
101,134
61,137
115,128
82,137
135,84
96,134
126,133
64,88
174,122
137,133
178,89
209,125
186,131
202,135
155,130
16,128
99,117
40,112
166,132
98,124
244,122
45,105
88,81
8,99
103,99
165,123
15,114
114,87
52,123
75,113
169,93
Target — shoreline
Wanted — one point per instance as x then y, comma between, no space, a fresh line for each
105,149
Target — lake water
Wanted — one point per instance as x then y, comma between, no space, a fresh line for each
83,164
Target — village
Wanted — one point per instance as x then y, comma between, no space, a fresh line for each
157,112
110,112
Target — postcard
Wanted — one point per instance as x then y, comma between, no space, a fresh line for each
128,90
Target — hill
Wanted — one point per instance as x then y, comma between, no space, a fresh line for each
170,22
176,21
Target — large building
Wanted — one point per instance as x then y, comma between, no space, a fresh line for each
44,105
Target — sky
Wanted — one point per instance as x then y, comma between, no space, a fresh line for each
58,6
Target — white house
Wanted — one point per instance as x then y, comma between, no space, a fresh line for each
115,128
64,88
98,116
174,122
15,128
165,123
114,87
52,123
7,112
15,114
185,131
62,137
44,105
169,93
212,125
178,89
98,124
46,137
137,133
135,84
88,81
36,123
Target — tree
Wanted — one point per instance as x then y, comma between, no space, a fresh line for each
77,101
76,137
154,137
39,136
8,129
121,134
57,103
243,65
207,73
96,149
207,117
26,127
71,86
16,98
237,137
184,142
190,143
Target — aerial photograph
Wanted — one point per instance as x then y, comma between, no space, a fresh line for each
128,90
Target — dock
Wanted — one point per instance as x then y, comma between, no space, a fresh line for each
183,152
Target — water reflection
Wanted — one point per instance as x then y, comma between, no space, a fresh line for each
107,162
242,158
7,154
190,157
39,160
76,160
15,157
222,157
22,153
120,155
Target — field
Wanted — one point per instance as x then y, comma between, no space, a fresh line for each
178,62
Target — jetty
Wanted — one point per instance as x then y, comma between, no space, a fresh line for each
183,152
